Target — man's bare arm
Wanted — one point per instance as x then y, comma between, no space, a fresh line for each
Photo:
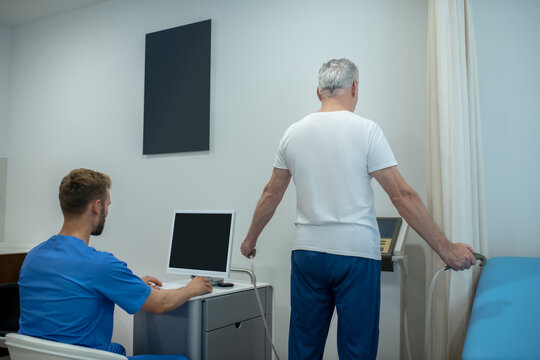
160,301
410,207
271,197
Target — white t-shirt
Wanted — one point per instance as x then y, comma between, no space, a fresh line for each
330,156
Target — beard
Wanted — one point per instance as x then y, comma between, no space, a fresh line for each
99,227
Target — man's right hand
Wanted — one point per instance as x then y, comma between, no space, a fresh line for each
458,256
199,286
160,301
248,248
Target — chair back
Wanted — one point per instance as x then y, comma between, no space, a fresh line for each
9,308
24,347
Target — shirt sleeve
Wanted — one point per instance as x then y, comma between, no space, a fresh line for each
280,161
116,281
380,155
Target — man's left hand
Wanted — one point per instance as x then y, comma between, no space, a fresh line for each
152,281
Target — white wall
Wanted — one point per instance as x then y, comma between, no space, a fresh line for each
77,101
509,76
5,62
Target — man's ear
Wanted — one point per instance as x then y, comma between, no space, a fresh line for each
319,95
95,206
354,88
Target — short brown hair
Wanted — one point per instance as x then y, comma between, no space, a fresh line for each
80,187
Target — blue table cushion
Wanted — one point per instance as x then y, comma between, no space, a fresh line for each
505,319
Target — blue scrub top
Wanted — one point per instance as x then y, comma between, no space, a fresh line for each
68,291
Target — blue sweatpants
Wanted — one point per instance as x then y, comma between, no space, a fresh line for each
119,349
320,282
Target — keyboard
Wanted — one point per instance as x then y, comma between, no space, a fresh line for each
170,285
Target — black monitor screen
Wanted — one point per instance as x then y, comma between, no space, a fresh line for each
201,241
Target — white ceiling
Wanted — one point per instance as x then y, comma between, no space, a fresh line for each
15,13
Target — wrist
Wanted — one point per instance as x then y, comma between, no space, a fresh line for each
443,245
250,241
190,291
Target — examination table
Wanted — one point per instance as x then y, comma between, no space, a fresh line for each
505,319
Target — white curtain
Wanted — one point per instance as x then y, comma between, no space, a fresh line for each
455,195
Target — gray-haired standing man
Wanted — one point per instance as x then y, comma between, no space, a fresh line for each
332,155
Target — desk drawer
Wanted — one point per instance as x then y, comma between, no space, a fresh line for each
241,341
230,309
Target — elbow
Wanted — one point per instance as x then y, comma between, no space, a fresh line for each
158,310
160,307
270,197
164,306
402,198
397,200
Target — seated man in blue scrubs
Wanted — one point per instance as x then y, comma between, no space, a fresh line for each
68,289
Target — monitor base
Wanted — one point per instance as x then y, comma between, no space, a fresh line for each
216,281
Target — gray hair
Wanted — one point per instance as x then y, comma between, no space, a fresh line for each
335,74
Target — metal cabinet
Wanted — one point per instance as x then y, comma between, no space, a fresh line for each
226,324
233,328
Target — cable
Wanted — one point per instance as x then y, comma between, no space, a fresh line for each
405,314
407,341
427,325
251,274
428,312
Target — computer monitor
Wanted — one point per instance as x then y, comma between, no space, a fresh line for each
201,243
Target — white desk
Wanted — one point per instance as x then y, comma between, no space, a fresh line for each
225,324
8,248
